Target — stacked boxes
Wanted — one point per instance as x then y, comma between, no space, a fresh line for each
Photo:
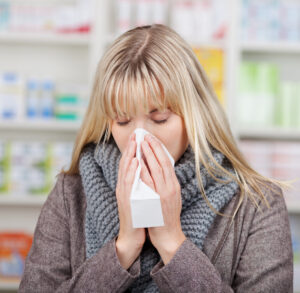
212,61
264,100
29,168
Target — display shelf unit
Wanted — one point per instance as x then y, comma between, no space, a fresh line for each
68,58
92,48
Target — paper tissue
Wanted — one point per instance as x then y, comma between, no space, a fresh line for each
145,203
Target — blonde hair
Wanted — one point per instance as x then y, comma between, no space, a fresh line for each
154,62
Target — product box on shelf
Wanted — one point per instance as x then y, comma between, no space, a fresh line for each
12,91
131,13
288,105
70,102
14,247
48,16
30,172
39,99
212,61
4,166
266,101
270,20
199,21
277,159
258,89
294,224
30,168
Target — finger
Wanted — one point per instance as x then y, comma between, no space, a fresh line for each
145,175
162,158
128,158
124,159
127,148
155,169
129,176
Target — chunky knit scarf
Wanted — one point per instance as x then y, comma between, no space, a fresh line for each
98,168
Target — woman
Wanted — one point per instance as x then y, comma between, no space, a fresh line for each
226,227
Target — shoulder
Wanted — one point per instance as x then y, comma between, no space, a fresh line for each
249,220
274,201
67,192
69,184
249,216
273,213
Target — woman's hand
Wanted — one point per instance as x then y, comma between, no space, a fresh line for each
159,174
130,240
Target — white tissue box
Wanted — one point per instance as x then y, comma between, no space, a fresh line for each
146,209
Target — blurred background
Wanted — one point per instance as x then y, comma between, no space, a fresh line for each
49,50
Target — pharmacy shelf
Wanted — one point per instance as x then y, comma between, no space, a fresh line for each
44,38
38,125
26,200
276,47
273,133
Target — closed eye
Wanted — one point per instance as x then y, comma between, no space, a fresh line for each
155,121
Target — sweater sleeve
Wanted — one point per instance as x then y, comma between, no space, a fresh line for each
48,268
265,265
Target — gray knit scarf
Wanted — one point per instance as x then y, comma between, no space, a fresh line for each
98,168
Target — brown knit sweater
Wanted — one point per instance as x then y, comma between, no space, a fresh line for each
253,254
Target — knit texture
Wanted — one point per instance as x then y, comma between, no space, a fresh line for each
98,166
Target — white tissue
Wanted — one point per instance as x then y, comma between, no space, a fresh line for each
145,203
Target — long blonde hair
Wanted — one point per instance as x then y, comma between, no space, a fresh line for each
155,63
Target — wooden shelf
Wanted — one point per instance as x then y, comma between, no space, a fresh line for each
44,38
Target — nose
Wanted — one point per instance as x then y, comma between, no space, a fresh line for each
140,123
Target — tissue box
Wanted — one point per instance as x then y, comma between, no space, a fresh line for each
146,209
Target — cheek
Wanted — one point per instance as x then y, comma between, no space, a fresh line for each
175,138
120,136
